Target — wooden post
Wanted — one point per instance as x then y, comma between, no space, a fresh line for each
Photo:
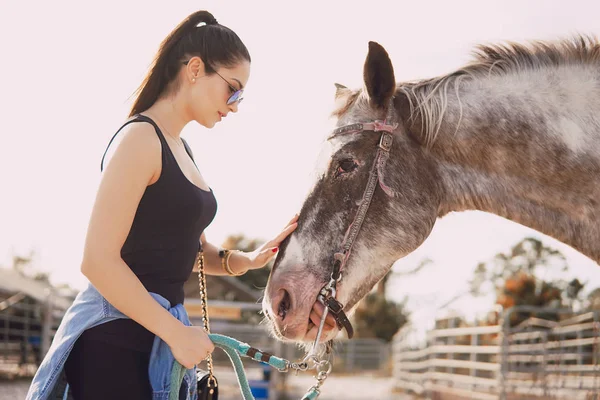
385,351
451,340
579,350
474,344
47,323
504,322
545,364
26,331
352,344
6,333
428,381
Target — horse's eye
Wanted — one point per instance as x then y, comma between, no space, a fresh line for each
346,166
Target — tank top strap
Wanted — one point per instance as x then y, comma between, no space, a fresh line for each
137,118
188,150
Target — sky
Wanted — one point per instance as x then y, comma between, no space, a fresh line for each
70,68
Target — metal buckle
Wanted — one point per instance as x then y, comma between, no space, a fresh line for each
334,306
385,143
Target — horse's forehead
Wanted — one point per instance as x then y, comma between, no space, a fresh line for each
359,111
328,150
338,143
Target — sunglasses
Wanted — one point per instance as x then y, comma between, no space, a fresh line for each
236,94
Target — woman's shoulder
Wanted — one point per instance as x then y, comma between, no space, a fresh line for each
138,138
141,134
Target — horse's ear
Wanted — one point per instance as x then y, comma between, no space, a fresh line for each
341,90
379,75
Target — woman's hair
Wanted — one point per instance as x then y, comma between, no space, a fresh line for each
215,44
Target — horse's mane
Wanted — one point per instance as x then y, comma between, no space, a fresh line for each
429,98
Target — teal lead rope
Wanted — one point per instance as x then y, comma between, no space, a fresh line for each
234,348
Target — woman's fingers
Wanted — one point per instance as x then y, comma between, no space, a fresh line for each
272,246
293,220
285,233
289,228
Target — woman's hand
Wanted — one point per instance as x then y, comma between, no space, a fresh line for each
261,256
190,345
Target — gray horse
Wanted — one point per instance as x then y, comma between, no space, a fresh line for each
515,133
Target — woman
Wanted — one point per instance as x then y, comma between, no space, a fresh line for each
147,225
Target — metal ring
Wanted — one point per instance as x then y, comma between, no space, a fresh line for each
303,366
213,380
324,366
309,357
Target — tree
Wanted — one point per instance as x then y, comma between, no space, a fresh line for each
525,289
529,256
378,317
24,265
382,284
515,278
573,291
593,300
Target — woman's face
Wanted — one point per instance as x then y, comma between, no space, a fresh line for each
209,94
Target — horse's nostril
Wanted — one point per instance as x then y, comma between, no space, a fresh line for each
284,305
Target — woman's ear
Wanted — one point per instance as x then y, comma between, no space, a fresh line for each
195,69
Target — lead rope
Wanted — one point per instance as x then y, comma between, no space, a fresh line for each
234,349
212,382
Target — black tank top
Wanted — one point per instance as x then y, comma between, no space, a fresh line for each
163,241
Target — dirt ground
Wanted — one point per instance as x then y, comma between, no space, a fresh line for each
349,387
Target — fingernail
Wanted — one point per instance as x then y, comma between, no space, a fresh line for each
274,250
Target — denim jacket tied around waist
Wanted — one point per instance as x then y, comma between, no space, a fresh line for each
90,309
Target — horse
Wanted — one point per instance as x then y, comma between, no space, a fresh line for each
515,132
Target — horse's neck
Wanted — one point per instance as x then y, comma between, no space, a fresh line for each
527,149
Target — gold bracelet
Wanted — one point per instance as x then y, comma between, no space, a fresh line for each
225,254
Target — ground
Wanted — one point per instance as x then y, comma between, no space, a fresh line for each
349,387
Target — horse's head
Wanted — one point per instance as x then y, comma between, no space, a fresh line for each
399,218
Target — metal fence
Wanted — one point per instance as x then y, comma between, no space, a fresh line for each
555,357
26,330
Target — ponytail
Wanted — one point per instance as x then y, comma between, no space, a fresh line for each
198,35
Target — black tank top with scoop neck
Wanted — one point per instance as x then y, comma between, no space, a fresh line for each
163,241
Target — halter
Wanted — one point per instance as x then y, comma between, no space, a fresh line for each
328,292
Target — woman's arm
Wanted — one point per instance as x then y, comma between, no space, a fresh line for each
241,262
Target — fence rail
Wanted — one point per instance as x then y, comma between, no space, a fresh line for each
26,330
538,358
